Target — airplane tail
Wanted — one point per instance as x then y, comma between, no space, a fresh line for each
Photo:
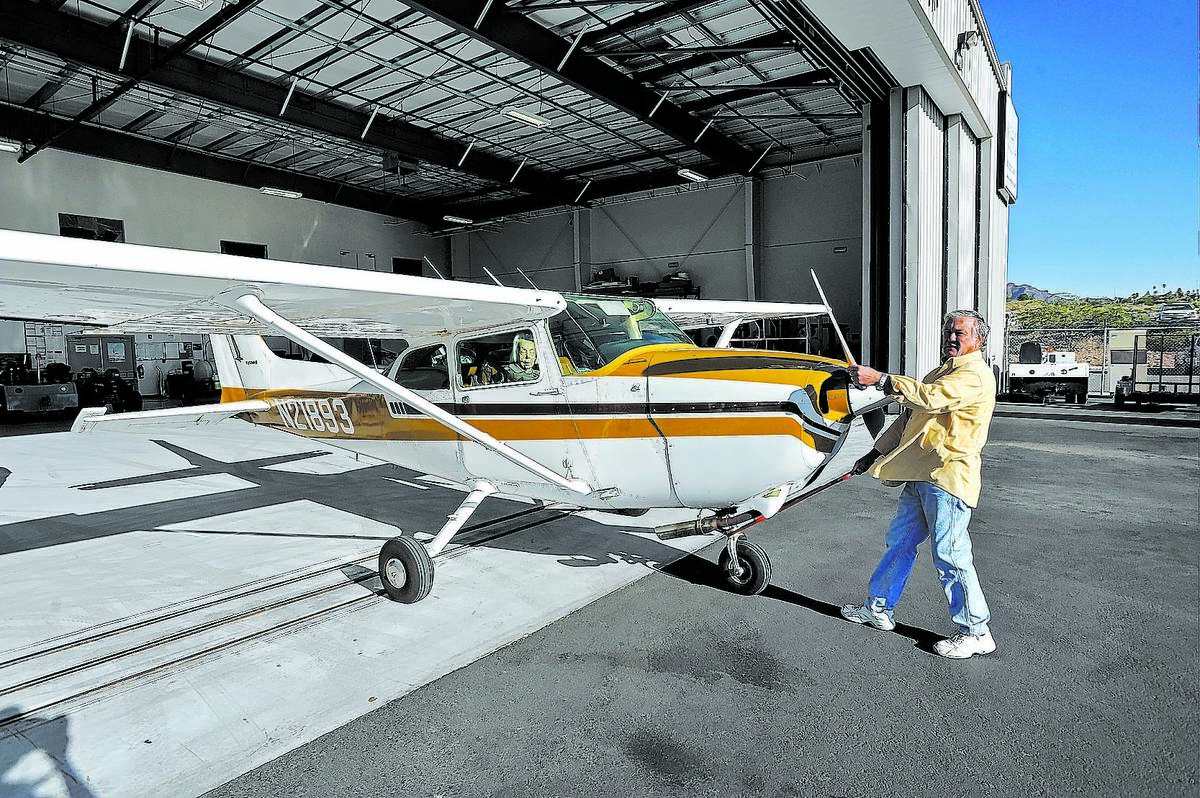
247,368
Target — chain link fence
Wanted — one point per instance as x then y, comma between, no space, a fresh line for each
1167,353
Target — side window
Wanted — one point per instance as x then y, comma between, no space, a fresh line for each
498,359
424,369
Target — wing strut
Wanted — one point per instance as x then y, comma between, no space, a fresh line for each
836,328
726,338
251,304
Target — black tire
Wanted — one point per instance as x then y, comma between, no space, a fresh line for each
755,565
1119,399
406,570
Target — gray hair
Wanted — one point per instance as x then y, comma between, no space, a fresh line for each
981,326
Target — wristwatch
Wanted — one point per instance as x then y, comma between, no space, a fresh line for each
882,382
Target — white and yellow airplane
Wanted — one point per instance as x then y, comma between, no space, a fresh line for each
591,402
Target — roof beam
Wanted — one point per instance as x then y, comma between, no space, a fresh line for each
81,41
513,33
706,56
819,78
641,19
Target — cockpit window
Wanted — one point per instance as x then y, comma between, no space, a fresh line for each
424,369
498,359
593,331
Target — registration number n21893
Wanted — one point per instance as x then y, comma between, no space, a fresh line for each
316,415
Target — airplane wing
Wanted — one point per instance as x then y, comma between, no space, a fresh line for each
690,314
155,289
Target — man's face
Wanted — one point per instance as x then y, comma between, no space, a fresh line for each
959,338
526,354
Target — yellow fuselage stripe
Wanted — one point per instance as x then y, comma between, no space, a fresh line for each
373,422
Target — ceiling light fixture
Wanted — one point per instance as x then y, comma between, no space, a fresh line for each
197,4
688,174
527,117
280,192
7,145
458,220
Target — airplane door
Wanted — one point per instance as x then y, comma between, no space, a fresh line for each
425,371
506,384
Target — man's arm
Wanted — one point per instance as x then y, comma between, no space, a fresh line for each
946,394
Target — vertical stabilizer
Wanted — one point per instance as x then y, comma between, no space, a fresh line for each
247,367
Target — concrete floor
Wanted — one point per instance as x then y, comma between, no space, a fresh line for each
1086,538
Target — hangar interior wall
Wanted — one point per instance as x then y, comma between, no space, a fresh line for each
736,240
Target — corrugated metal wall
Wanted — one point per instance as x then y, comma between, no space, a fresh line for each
924,229
962,203
950,237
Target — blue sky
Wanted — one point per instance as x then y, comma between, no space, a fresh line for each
1108,174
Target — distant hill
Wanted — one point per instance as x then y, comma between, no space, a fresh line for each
1021,290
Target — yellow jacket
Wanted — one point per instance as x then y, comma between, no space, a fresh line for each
940,436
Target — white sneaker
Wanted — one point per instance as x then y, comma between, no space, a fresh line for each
961,646
858,613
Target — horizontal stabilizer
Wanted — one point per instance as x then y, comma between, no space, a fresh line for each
93,418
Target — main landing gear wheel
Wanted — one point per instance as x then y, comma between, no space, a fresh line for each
753,571
406,570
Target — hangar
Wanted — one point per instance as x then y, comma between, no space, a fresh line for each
720,147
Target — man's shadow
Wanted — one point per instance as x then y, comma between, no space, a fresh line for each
37,734
705,573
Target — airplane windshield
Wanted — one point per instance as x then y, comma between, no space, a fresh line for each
593,331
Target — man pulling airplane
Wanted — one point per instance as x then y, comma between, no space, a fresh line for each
934,452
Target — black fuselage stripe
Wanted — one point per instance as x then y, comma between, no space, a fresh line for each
735,363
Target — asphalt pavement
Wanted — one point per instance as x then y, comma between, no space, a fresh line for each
1087,545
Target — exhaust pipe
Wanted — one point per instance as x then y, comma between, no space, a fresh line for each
713,524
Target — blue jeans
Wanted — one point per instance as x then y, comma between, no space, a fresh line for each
926,510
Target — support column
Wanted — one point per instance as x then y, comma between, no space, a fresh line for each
581,226
897,328
876,254
752,189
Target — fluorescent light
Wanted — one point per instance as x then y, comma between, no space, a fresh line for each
458,220
198,4
526,117
688,174
280,192
7,145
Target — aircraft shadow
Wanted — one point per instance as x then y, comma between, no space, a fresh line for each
49,736
370,493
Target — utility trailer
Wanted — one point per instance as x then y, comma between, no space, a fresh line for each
1166,369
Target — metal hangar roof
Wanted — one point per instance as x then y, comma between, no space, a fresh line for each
476,109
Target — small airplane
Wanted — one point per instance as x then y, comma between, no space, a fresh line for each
592,402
